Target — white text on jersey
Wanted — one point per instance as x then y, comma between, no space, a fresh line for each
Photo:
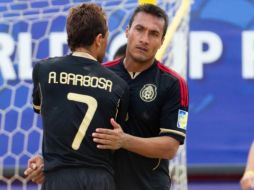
80,80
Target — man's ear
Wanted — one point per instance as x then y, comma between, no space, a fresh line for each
98,40
127,31
162,41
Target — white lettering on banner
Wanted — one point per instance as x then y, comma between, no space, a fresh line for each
24,53
25,56
199,57
57,40
248,55
6,49
179,49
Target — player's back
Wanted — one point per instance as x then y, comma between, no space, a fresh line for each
76,95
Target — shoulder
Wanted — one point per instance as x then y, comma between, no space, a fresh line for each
44,65
170,73
109,68
115,67
47,62
113,63
176,81
50,60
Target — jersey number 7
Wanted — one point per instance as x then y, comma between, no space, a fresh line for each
92,104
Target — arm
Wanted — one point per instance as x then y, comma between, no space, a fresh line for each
35,165
163,147
173,122
36,90
247,180
250,162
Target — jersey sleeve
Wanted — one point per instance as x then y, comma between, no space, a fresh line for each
123,107
36,90
174,113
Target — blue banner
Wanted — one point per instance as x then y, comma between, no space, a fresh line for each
220,77
221,82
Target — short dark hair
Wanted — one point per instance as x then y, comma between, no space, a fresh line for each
153,10
84,23
120,51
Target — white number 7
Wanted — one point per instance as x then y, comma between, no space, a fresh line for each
92,106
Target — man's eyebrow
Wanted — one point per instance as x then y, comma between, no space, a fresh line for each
150,30
155,31
140,25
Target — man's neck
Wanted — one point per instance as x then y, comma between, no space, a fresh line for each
82,52
134,66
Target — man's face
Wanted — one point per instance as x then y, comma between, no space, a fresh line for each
144,37
103,47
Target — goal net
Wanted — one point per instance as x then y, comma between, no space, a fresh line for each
33,30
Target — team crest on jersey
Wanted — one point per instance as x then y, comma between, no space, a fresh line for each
182,119
148,93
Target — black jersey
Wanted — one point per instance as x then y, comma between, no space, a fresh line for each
76,95
158,106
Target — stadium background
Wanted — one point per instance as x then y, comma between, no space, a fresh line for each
220,128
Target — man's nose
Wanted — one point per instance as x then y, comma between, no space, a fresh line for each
144,38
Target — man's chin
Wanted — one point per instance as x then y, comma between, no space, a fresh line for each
141,59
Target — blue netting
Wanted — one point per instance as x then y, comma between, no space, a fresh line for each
21,127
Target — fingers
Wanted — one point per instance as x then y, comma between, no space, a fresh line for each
105,131
105,141
116,126
114,123
100,146
252,182
103,135
32,174
247,183
36,175
33,166
28,171
108,138
106,144
34,159
244,184
102,141
35,162
39,179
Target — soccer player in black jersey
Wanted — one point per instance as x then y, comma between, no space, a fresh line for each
75,94
158,110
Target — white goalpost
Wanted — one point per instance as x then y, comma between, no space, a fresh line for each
173,54
33,30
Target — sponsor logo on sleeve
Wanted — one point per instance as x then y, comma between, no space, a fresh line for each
182,119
